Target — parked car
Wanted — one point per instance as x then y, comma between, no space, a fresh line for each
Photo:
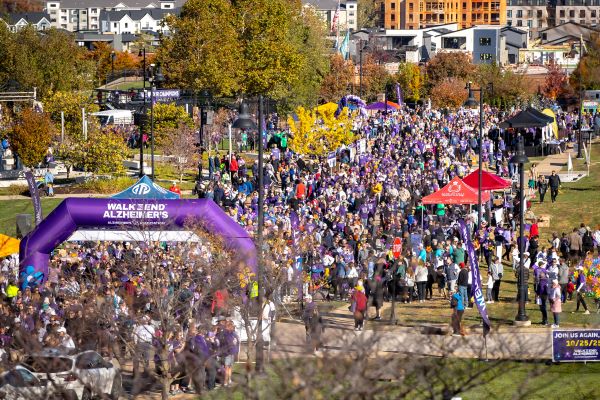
20,383
76,376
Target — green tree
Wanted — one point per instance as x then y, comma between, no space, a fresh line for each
49,61
104,152
71,104
271,56
168,117
203,51
31,136
411,78
309,32
448,65
509,88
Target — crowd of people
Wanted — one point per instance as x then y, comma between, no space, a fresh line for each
337,219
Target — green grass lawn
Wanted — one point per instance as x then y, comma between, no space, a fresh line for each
470,379
501,314
576,203
10,208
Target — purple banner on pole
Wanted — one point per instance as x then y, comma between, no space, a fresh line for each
35,197
399,94
576,345
476,277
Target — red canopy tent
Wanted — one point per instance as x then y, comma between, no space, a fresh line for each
455,192
489,181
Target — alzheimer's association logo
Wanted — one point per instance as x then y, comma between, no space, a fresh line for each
454,187
141,189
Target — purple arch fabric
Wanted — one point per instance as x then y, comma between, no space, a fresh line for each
153,215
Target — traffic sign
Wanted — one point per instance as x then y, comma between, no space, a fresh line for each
397,247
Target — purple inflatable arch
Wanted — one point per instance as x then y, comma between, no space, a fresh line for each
153,215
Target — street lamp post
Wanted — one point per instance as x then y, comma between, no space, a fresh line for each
520,158
157,78
142,53
245,122
360,69
204,103
471,103
112,64
580,136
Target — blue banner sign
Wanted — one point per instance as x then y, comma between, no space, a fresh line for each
576,345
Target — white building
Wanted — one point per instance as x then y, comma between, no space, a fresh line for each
134,21
84,15
347,17
18,21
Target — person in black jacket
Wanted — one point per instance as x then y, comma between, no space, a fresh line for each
542,186
554,183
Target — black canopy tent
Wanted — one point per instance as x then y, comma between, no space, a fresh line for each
528,119
540,115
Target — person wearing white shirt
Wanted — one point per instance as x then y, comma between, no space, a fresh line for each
66,342
143,334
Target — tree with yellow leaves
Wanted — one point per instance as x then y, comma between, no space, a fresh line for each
318,132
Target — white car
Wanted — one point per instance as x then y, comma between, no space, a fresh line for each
20,383
78,376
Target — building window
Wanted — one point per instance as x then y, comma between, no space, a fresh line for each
393,6
114,24
593,13
166,6
581,13
571,13
351,22
393,17
539,14
485,41
350,6
485,56
94,11
84,12
126,25
351,13
52,5
519,22
529,13
509,14
529,23
519,13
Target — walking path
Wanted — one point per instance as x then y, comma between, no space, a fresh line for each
380,338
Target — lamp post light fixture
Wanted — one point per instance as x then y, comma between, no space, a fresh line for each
520,158
471,102
142,53
157,78
204,101
112,64
244,121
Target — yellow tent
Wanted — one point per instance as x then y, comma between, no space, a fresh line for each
327,106
550,113
8,245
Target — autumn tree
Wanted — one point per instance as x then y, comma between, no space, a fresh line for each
320,132
587,73
412,81
31,136
555,82
20,6
449,93
180,144
448,65
374,79
336,83
368,14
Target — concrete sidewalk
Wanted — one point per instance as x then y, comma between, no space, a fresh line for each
380,338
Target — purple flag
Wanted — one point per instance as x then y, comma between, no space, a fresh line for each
476,277
35,197
399,94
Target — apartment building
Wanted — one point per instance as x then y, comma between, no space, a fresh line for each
417,14
84,15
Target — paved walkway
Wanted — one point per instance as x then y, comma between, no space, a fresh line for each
381,338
